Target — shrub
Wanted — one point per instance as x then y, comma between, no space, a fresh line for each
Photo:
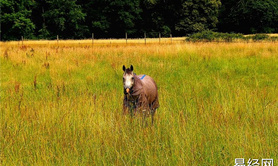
259,37
208,36
274,38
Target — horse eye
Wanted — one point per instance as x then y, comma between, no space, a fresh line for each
123,79
132,78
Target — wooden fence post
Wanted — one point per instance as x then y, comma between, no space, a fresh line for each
126,37
57,38
171,38
22,39
145,36
93,38
159,35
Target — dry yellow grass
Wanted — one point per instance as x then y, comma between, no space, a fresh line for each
61,103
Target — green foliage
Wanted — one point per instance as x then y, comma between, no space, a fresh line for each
115,18
258,37
214,36
208,36
72,19
16,19
64,18
198,15
44,33
247,16
159,16
263,37
273,38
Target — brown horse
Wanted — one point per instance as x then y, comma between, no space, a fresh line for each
140,93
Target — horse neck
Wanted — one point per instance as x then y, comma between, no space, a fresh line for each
137,83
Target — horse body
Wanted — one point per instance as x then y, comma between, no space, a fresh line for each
150,91
142,96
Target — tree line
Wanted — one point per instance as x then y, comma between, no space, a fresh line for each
77,19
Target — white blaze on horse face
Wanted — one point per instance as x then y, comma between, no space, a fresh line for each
128,80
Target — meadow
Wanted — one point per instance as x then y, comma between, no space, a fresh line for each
61,103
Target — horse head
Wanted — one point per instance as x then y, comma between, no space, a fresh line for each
128,79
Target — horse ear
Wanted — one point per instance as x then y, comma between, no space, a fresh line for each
123,67
131,68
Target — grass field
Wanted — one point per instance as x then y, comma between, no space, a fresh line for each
61,103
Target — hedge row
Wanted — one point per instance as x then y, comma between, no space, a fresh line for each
209,36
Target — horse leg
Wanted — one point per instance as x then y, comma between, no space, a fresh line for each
143,117
152,114
145,113
125,109
153,108
125,106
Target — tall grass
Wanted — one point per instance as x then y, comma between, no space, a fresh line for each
61,104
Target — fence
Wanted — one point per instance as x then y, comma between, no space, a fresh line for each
159,40
145,40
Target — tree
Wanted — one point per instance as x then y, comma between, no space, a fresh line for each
112,18
15,19
41,30
248,16
64,18
198,15
158,16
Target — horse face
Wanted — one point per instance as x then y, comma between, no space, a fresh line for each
128,78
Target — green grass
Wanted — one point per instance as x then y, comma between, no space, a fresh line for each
218,102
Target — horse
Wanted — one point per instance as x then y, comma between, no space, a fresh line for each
140,93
